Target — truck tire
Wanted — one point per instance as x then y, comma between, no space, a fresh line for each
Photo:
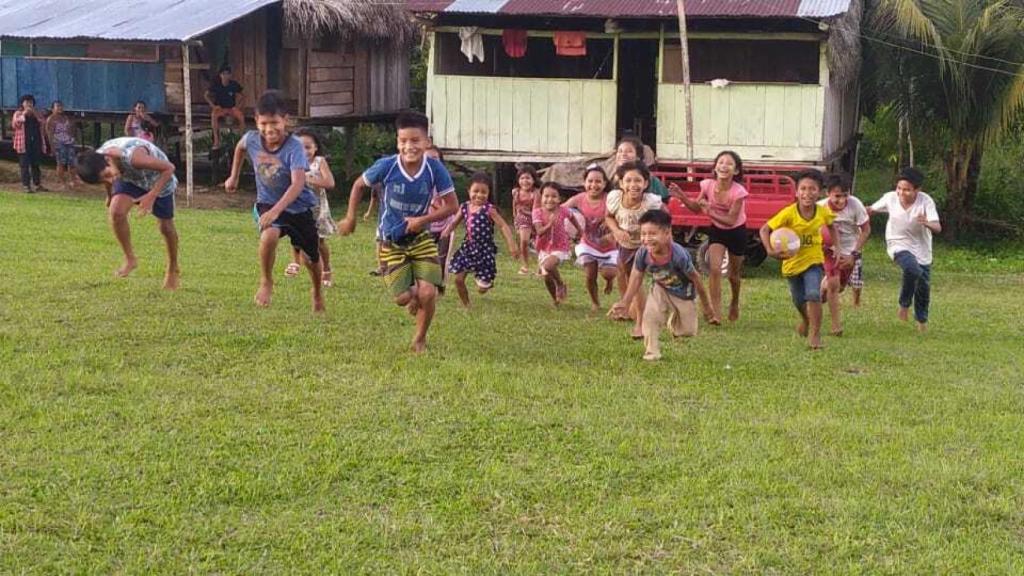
755,251
704,259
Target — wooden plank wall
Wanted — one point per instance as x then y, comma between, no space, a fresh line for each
389,79
83,85
523,115
332,82
248,55
781,123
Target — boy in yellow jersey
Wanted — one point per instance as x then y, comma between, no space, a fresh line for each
805,269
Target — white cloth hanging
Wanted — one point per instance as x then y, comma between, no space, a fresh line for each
472,43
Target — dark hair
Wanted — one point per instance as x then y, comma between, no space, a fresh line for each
835,180
309,133
637,166
553,185
143,102
735,158
481,178
912,175
271,103
812,174
54,103
659,218
635,142
224,68
27,97
412,120
596,168
440,154
527,169
90,165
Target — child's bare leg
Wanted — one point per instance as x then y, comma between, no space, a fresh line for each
856,297
735,283
316,275
524,249
172,279
609,274
120,206
268,251
716,253
552,267
551,279
426,296
591,271
370,205
831,288
460,287
814,324
640,304
801,328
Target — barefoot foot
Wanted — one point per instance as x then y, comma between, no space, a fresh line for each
126,268
814,342
734,311
801,329
262,298
922,327
418,346
172,280
904,314
318,302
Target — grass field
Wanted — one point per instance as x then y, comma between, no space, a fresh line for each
152,432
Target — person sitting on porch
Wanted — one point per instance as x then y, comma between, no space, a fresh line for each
222,100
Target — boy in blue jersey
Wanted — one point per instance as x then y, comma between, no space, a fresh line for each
284,204
408,252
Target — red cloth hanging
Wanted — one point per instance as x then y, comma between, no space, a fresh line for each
514,42
570,43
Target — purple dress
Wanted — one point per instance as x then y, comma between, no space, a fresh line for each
477,253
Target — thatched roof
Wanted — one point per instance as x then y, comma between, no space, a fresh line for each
844,45
384,21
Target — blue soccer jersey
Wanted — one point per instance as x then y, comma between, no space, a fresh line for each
274,171
405,195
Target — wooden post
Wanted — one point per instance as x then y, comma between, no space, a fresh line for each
685,57
186,73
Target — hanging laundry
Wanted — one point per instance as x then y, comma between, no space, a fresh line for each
514,42
570,43
472,43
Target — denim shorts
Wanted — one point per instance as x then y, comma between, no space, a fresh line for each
806,286
163,208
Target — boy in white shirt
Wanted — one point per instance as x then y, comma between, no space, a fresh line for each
842,259
913,219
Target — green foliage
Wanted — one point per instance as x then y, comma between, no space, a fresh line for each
370,142
145,432
1000,197
418,63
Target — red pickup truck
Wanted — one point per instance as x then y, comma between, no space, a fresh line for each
771,189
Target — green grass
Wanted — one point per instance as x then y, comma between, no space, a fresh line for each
148,432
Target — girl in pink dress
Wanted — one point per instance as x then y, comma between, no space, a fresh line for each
552,238
524,198
597,252
723,200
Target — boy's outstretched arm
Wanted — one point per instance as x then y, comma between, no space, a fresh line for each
294,189
449,205
452,226
636,283
231,184
347,225
702,294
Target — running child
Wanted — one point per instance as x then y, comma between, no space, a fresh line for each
843,260
285,206
804,270
552,239
723,199
675,283
596,252
625,207
320,179
135,171
60,132
410,180
525,198
478,252
913,219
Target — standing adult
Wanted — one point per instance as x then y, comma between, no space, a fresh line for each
28,142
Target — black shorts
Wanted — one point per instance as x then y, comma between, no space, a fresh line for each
299,228
734,239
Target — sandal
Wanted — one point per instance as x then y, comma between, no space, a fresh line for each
327,279
292,269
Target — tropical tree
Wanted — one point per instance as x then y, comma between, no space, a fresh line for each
964,63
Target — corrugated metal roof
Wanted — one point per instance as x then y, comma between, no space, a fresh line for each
141,20
639,8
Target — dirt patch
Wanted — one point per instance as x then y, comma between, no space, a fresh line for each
203,197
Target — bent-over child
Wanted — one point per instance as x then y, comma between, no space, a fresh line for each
675,283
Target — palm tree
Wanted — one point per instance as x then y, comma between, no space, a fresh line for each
965,61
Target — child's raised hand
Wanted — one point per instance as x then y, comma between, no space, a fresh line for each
675,191
231,185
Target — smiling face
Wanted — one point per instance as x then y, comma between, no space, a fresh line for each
309,145
411,143
837,198
807,192
594,184
633,185
479,193
625,152
725,167
140,108
907,192
526,181
655,238
272,128
550,199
